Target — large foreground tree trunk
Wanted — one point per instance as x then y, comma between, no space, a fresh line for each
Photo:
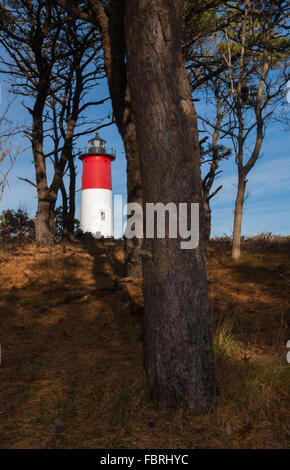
179,359
240,199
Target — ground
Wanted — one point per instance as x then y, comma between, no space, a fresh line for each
71,373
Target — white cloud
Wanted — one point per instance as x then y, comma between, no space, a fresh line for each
268,206
266,179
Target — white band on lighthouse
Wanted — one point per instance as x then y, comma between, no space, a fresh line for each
97,212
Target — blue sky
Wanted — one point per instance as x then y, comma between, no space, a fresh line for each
267,206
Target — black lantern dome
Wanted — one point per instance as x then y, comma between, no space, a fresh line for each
97,145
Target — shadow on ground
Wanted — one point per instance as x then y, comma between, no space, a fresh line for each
80,364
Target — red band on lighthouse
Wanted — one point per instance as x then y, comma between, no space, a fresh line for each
96,172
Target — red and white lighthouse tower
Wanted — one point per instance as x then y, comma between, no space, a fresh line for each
97,202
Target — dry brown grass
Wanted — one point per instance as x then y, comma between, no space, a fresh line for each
82,363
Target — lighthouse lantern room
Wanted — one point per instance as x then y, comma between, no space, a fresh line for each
97,203
97,145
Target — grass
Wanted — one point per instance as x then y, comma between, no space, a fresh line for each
81,364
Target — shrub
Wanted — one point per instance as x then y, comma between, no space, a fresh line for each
16,227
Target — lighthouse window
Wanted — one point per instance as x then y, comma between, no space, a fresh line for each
103,215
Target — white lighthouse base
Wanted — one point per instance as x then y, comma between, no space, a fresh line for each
97,212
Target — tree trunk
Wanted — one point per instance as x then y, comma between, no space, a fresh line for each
47,196
240,199
179,359
116,71
68,203
44,223
133,261
207,219
72,195
210,177
64,211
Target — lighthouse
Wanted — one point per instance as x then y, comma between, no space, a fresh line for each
97,202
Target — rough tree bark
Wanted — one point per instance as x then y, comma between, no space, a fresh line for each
179,359
44,221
